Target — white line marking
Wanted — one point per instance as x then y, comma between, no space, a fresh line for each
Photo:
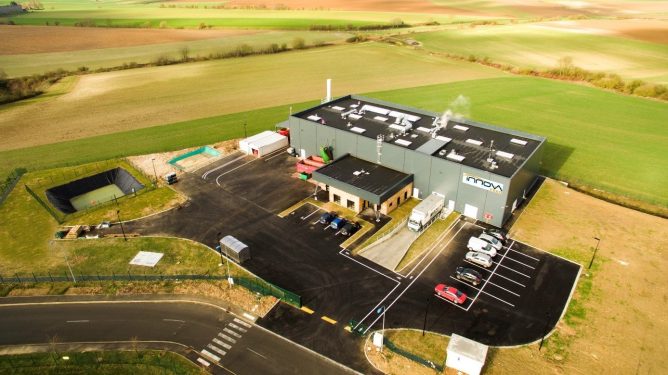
452,303
248,316
242,330
78,321
247,325
524,264
528,256
256,353
372,269
512,269
204,362
174,320
435,245
210,355
497,274
206,174
231,332
226,337
379,303
472,286
309,215
222,344
413,281
490,276
216,349
232,170
278,154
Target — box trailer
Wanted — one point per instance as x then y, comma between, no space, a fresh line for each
263,143
234,249
425,212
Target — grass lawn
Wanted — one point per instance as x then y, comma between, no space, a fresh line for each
431,347
102,363
397,216
27,64
117,101
541,46
427,238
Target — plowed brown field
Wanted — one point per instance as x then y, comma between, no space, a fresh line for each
40,39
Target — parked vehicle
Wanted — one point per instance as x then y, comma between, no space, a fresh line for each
350,228
476,244
480,259
327,218
338,223
450,293
492,241
469,275
499,234
425,212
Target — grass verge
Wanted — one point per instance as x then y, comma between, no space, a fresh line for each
102,363
427,239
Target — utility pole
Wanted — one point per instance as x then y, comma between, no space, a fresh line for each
426,311
598,241
154,172
118,215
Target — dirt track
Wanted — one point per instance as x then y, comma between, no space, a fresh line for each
41,39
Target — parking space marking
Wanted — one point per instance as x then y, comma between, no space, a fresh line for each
309,215
498,274
514,270
491,283
526,255
452,303
524,264
328,319
487,281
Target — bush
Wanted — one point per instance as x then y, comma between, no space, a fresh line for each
649,90
298,43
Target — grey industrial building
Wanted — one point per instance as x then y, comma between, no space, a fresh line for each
483,171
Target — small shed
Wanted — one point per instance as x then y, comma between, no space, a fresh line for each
263,143
465,355
234,249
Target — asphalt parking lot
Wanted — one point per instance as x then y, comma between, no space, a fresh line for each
523,295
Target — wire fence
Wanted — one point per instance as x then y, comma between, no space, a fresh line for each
413,357
254,284
10,182
37,187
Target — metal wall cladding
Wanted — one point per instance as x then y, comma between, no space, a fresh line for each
346,143
420,165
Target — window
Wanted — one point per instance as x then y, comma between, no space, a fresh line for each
390,204
405,195
350,204
398,201
337,199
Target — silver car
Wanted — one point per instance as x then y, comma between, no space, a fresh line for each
480,259
491,240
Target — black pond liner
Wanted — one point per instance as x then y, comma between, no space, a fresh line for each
60,196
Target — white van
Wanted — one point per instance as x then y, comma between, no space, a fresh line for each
476,244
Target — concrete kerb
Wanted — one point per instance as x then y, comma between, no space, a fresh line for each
438,239
385,237
348,369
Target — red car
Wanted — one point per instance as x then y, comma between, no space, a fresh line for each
450,293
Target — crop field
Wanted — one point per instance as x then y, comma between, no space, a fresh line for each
117,101
151,14
615,46
70,48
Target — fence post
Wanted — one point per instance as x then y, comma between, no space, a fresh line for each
66,276
1,279
129,276
113,276
17,277
50,277
34,277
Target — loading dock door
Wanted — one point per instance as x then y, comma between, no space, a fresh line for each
471,211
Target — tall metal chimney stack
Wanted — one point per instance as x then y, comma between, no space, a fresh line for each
329,90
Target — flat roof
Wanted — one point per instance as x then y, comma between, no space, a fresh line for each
370,181
459,140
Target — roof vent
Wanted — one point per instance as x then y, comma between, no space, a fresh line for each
462,128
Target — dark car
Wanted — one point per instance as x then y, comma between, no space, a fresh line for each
498,234
327,218
469,275
350,228
338,223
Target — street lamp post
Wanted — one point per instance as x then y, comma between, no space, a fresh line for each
598,241
245,136
154,172
547,325
118,215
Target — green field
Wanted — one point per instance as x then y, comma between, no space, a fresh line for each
143,13
27,64
538,46
595,137
116,101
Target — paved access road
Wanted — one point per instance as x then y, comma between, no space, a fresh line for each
229,344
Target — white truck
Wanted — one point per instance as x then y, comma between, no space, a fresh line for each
425,212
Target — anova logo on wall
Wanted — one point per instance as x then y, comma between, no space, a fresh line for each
483,183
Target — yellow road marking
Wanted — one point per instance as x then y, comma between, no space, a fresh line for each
328,320
348,329
306,310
